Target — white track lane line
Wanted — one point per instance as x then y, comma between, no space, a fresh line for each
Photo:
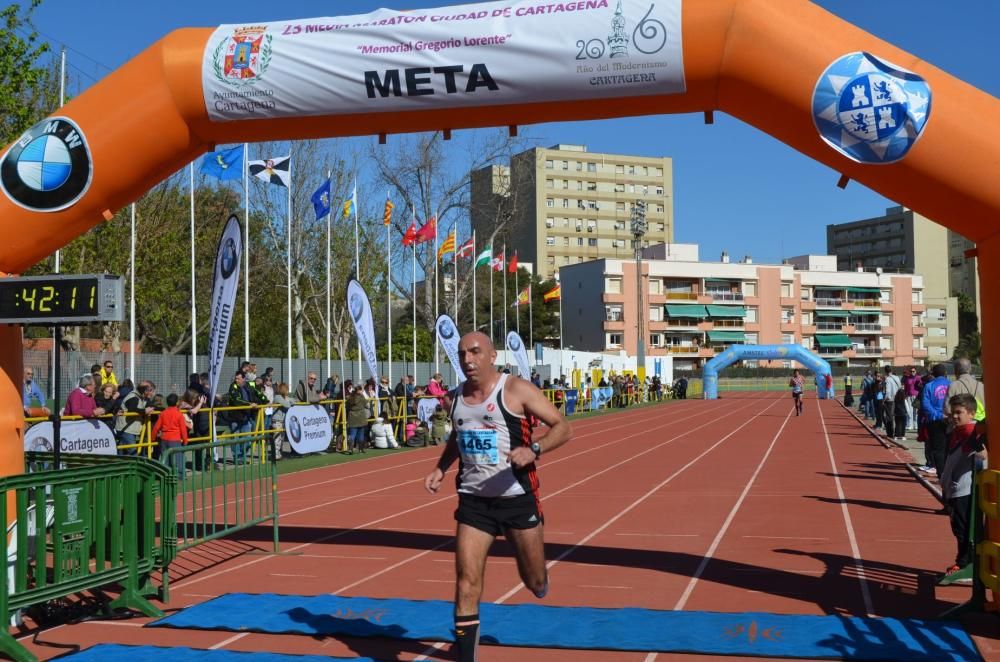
855,550
729,520
438,646
326,538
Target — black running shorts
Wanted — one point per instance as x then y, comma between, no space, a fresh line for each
496,514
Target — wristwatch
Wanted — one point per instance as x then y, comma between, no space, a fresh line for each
536,449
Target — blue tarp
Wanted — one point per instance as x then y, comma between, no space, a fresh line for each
119,653
627,629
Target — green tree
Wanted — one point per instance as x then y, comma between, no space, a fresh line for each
29,90
968,320
969,347
402,344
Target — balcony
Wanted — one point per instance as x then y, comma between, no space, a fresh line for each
728,323
681,296
808,304
868,350
725,296
831,326
866,327
690,350
918,307
828,303
865,303
830,351
919,331
920,353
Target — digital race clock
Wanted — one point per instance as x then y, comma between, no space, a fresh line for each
61,299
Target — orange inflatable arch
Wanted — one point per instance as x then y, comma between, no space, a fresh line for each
767,63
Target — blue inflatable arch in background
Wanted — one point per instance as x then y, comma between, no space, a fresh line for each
819,367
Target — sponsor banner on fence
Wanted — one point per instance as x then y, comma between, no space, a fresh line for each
307,428
361,314
449,336
224,285
86,437
516,345
508,52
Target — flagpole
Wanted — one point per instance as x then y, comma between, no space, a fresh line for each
503,265
246,256
561,371
194,315
492,339
531,322
388,290
329,217
131,303
475,257
357,257
62,102
413,285
454,259
437,354
517,312
288,266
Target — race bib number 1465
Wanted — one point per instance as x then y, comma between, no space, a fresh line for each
478,446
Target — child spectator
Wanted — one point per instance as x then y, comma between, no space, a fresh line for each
382,434
439,425
172,431
421,438
965,447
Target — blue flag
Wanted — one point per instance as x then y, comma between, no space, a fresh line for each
224,164
321,200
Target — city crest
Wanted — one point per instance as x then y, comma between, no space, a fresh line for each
243,58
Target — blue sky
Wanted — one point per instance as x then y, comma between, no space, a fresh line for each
728,177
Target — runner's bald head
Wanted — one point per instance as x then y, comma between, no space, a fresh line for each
477,355
476,338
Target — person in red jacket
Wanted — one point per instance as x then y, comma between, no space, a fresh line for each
435,388
171,430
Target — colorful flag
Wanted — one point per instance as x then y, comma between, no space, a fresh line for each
428,231
552,295
224,164
321,200
512,267
387,214
410,237
485,258
466,250
498,262
351,203
522,299
448,246
272,171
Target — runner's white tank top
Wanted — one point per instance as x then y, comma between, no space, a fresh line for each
485,434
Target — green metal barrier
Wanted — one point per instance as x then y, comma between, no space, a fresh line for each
214,500
90,524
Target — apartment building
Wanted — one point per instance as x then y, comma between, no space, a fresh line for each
564,205
694,310
902,240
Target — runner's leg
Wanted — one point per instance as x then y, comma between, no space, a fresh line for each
472,546
529,550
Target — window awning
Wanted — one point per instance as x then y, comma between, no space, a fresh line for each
685,310
833,340
864,290
728,336
832,313
726,311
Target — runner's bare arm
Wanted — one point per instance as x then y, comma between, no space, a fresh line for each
432,483
534,403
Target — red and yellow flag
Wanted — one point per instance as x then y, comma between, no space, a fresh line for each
387,214
448,246
552,295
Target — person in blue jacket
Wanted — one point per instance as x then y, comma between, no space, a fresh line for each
932,402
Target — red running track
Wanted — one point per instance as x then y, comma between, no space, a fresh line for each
728,505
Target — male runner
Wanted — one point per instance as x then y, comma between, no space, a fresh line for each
497,483
797,382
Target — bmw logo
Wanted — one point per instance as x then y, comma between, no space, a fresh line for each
228,265
515,343
870,110
357,307
294,429
48,168
446,328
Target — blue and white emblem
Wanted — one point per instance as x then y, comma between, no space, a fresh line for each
870,110
48,168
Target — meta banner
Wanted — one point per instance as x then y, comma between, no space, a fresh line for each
308,429
516,346
361,314
224,285
448,336
84,437
525,51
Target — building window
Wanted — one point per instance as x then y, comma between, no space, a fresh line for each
565,259
591,226
591,167
661,227
618,243
565,183
579,225
659,190
807,319
579,185
550,241
620,170
549,202
655,340
751,338
787,338
656,313
787,315
614,340
918,296
620,206
751,314
565,165
885,296
591,186
613,313
592,242
565,222
786,290
613,285
579,165
548,164
659,209
565,241
885,342
549,183
550,222
551,260
655,286
619,188
565,203
579,241
806,293
749,288
631,170
619,225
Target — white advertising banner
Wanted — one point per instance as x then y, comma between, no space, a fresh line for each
448,336
516,346
361,314
224,285
489,53
88,437
308,429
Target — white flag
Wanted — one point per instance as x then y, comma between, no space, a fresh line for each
516,346
224,285
361,313
449,336
272,171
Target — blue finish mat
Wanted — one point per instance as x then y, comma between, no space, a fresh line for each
119,653
628,629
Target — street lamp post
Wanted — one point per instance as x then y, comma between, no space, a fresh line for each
639,227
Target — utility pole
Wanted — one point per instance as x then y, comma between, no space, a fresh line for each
639,227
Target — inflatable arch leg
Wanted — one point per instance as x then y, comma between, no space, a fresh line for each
819,367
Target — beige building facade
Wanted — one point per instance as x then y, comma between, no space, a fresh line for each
694,310
564,205
902,240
